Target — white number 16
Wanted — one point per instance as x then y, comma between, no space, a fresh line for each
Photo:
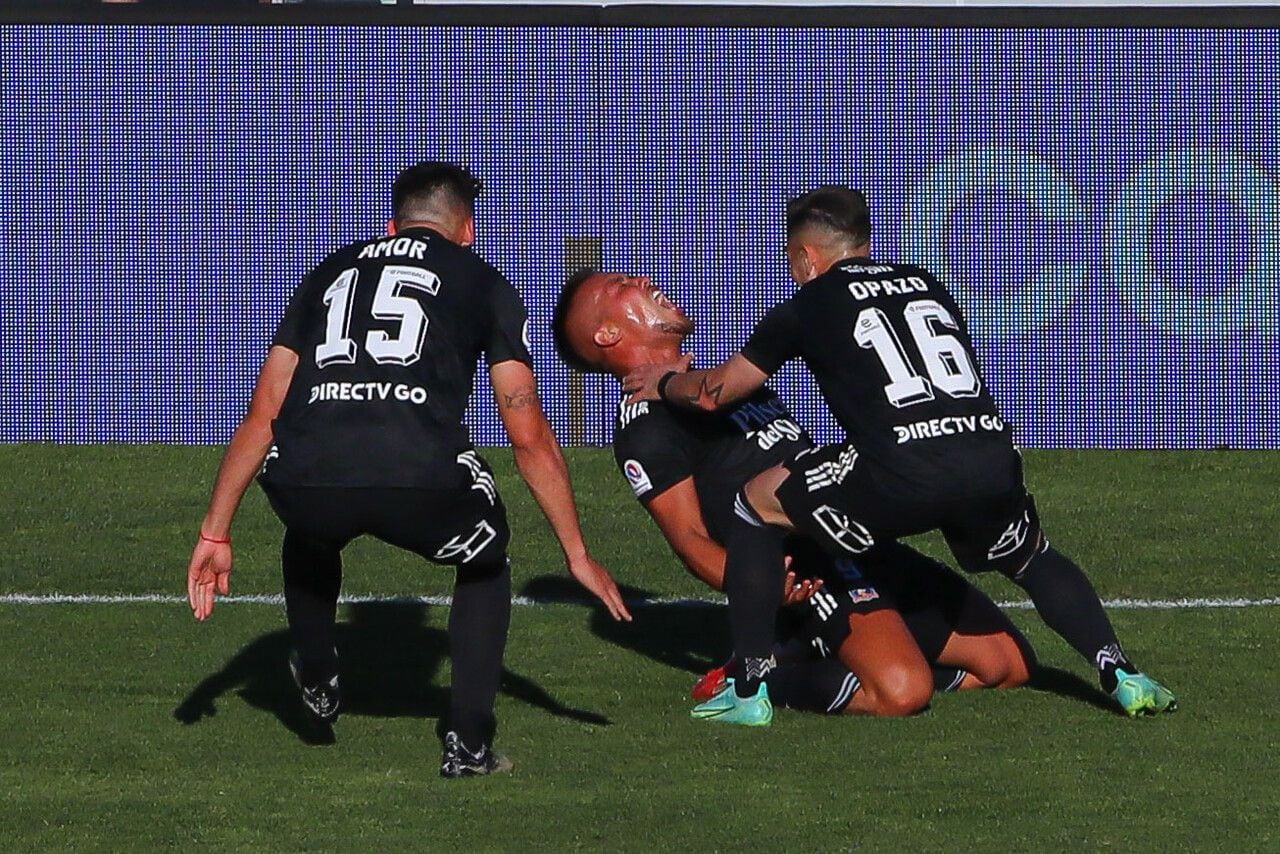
945,359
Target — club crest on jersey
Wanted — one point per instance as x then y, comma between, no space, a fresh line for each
851,536
637,477
863,594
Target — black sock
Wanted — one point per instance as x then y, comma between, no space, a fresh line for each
824,686
478,623
312,581
1068,604
754,569
792,651
947,679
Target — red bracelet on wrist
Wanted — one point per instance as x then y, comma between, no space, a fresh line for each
225,542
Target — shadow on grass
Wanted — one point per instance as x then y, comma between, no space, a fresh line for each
390,661
1066,684
695,638
690,637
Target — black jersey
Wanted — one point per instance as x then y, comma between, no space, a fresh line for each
388,333
891,353
657,446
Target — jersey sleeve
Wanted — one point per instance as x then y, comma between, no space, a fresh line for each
775,340
292,331
508,338
652,452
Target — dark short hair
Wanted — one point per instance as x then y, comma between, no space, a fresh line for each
839,209
423,181
560,322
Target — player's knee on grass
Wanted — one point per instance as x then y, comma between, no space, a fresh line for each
993,665
896,678
1020,659
894,690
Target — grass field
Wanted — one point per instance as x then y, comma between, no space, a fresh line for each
128,725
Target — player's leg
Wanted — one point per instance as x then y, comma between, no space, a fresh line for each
823,686
311,563
969,641
478,623
895,678
1069,605
754,570
857,622
312,582
1005,536
466,529
985,647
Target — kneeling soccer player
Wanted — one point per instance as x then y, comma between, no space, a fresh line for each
926,447
872,637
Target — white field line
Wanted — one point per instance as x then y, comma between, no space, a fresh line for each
277,599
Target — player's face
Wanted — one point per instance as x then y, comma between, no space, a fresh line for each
635,304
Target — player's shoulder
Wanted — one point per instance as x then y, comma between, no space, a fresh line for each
413,246
646,428
868,279
635,420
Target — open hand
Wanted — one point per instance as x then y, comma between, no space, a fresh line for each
642,382
794,593
208,575
597,579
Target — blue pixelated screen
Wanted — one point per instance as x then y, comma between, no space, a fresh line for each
1104,203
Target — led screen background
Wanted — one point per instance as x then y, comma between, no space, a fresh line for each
1102,202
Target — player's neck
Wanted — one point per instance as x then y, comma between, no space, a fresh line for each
839,256
661,353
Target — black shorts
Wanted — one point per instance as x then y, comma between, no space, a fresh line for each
929,595
834,497
456,527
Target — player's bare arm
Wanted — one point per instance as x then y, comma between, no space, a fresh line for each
709,390
542,465
209,572
678,513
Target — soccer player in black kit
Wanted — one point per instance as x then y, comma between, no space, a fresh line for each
926,450
873,636
355,426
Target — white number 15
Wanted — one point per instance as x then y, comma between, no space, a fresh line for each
389,303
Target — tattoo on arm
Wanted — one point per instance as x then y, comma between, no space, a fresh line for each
709,392
706,389
522,398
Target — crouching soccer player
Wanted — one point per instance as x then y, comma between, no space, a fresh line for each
927,448
895,624
357,414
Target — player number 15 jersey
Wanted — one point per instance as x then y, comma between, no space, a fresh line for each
388,334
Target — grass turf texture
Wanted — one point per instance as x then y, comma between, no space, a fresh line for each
130,725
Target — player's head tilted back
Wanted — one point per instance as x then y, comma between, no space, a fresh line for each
610,322
437,195
824,226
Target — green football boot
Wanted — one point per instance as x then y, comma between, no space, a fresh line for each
727,707
1139,694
